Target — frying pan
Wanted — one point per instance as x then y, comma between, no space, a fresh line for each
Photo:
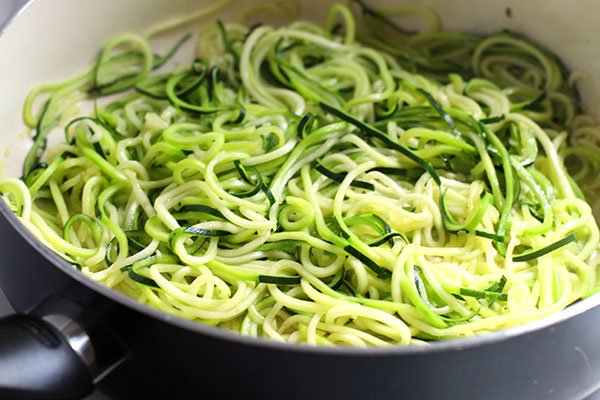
71,334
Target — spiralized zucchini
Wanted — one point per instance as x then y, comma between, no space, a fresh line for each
348,184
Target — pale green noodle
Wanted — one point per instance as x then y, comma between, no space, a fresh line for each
244,190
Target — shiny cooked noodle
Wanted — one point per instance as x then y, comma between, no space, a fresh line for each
349,184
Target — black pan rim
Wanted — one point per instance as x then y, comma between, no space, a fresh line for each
442,346
8,21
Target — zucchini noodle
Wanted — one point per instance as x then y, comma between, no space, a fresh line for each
354,184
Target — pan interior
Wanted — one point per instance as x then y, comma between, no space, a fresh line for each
51,41
45,43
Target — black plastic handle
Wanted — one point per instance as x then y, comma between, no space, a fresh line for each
37,362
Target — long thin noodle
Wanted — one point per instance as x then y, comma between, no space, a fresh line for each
355,184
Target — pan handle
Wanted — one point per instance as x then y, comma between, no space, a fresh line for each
38,362
59,350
